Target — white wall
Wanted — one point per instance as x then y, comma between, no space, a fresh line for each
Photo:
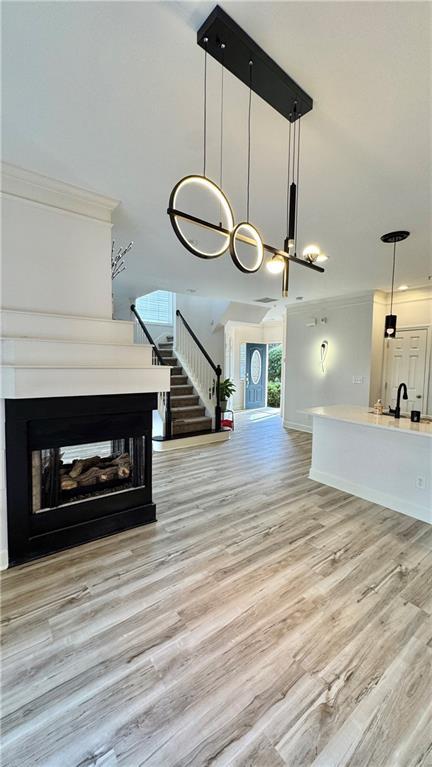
379,312
349,334
413,307
52,259
203,316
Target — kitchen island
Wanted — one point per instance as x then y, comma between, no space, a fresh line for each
380,458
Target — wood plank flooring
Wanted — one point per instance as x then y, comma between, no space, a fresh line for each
265,620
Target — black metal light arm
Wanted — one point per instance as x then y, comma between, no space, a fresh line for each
221,230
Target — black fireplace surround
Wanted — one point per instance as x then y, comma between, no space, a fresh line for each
49,505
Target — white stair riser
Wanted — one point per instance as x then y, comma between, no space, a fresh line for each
27,351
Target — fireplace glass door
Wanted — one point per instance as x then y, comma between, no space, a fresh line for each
72,473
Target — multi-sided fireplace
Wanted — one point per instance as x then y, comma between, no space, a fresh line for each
77,468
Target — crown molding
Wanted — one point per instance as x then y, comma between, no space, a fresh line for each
337,302
412,296
404,297
36,188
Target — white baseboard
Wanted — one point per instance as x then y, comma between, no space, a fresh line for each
195,441
4,559
297,426
422,513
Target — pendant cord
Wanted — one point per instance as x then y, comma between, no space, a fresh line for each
205,110
288,178
249,141
393,274
221,116
298,188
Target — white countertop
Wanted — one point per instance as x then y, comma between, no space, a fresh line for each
362,417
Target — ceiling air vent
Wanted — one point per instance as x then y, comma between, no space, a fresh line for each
265,300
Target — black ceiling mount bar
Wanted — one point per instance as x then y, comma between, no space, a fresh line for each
220,229
270,82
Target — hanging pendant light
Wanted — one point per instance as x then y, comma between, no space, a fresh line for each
205,185
245,231
391,319
286,97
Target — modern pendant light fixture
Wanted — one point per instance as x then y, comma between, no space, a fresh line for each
244,231
207,186
241,56
391,319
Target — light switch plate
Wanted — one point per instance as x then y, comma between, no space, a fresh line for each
358,379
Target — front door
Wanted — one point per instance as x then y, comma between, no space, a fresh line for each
406,363
256,371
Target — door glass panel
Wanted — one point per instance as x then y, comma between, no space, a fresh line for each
256,366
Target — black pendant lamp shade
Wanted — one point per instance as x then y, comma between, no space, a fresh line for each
391,319
390,326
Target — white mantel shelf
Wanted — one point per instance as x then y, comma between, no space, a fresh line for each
362,416
382,459
27,382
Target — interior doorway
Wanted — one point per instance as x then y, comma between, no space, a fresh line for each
274,375
406,361
249,371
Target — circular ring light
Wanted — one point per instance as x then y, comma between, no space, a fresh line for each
208,185
247,233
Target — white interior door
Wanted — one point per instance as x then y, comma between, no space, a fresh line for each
406,363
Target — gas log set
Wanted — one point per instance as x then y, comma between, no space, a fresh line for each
93,471
83,477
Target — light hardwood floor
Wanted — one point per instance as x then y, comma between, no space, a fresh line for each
265,620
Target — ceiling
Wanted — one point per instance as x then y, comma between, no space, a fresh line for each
108,95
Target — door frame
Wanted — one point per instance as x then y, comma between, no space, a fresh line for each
427,374
232,343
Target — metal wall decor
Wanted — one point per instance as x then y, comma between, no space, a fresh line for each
225,41
391,319
118,264
323,355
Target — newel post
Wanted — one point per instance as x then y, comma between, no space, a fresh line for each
218,406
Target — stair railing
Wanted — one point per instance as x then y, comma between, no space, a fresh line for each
164,397
198,364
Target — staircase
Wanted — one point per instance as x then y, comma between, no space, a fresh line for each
187,413
184,408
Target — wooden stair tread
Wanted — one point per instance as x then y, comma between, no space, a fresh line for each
187,408
186,412
196,419
183,400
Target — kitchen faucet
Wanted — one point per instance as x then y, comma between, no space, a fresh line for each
396,411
